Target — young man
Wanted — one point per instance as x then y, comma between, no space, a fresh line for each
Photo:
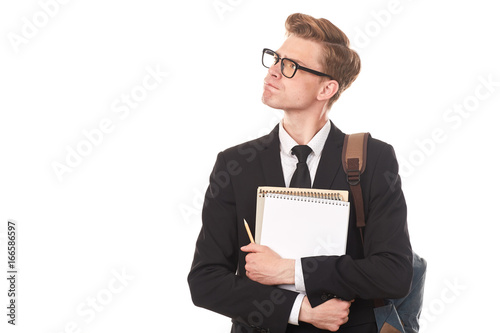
229,276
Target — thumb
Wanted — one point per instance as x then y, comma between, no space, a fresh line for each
249,248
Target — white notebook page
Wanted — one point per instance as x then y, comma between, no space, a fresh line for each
296,227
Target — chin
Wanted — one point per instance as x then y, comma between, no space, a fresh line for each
269,102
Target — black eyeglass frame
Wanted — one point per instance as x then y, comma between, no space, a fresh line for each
297,66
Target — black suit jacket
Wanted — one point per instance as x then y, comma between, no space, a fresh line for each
380,269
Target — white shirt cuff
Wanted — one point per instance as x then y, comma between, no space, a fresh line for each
294,315
300,285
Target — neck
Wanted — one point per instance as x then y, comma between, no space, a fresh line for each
302,127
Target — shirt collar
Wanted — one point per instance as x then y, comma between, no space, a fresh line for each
316,144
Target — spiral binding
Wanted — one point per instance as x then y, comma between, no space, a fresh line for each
326,198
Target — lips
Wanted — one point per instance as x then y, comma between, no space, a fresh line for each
267,84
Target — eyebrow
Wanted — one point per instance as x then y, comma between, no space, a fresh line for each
296,60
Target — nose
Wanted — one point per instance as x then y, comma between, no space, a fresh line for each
275,70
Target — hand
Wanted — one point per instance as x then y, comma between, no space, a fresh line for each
328,316
265,266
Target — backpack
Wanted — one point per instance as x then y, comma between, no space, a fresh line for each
392,315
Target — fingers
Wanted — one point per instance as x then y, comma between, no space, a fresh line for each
250,263
331,314
345,309
342,307
248,248
252,247
346,304
343,312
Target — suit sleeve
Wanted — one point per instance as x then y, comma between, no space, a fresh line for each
213,281
386,269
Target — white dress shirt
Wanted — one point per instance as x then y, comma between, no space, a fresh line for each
289,163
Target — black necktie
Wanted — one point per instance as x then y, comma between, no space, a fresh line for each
301,176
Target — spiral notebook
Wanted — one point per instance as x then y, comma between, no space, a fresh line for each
297,223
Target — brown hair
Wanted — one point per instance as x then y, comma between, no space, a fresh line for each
339,61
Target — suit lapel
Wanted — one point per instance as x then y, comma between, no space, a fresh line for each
328,168
331,159
271,160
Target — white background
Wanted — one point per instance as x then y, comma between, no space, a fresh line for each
132,204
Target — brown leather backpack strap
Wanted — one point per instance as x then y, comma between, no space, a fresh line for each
355,147
354,163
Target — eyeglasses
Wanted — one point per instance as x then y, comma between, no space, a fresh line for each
288,66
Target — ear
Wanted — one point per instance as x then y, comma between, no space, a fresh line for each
328,90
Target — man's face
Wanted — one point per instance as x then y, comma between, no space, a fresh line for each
300,92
